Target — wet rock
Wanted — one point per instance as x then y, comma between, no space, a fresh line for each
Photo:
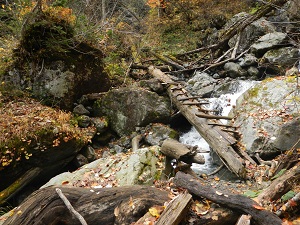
202,84
83,121
81,110
267,116
267,42
234,70
131,107
156,133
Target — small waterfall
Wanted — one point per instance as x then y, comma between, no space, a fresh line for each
223,104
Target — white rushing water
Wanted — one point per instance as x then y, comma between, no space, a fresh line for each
224,103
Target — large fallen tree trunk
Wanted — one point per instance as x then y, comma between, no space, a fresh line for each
120,205
235,202
221,142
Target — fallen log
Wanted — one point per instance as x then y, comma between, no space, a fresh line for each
280,185
221,142
19,184
236,202
120,205
169,62
179,151
176,210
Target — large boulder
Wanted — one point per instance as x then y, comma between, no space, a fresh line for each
36,136
268,116
54,66
131,107
202,84
251,33
280,59
267,42
140,167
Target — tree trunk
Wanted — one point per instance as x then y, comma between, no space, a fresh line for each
235,202
221,142
120,205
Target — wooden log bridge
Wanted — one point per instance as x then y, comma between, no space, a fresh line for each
220,141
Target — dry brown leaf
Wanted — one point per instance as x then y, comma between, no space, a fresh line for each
258,207
116,211
215,217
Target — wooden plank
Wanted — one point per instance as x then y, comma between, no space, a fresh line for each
214,136
207,116
176,210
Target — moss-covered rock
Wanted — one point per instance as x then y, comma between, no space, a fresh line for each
33,135
140,167
268,116
131,107
52,65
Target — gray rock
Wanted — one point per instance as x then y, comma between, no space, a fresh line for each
84,121
234,70
89,153
288,134
131,107
281,58
79,160
267,42
140,167
267,116
81,110
251,33
201,84
248,60
117,149
101,124
253,71
153,85
157,133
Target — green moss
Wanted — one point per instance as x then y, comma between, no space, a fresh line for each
290,79
253,92
174,134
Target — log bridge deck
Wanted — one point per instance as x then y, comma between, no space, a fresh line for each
221,140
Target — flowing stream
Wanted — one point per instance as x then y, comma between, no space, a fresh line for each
224,104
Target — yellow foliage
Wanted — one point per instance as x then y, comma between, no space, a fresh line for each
58,12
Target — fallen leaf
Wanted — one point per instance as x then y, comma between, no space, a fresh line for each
215,217
131,203
216,178
154,212
258,207
116,211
